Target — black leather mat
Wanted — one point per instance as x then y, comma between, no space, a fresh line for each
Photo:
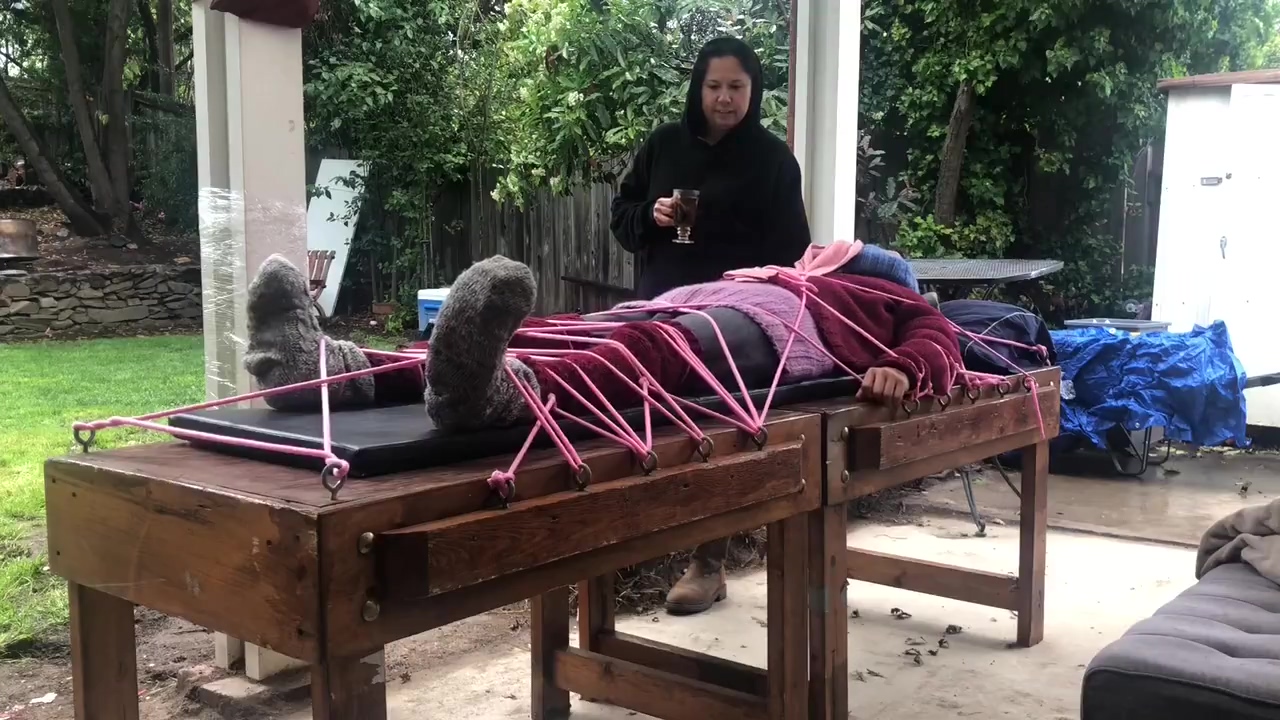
379,441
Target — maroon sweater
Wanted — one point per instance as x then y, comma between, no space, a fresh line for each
924,344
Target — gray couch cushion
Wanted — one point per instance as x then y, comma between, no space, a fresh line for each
1212,652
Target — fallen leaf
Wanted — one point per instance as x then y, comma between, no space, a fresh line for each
900,614
855,614
954,630
857,675
933,653
917,641
873,673
942,643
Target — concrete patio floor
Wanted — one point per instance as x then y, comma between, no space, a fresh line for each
1174,503
1096,588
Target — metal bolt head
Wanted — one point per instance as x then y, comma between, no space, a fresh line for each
365,543
371,610
844,477
844,434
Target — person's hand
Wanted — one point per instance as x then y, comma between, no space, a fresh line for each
884,385
664,212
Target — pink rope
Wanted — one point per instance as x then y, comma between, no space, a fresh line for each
683,421
622,434
680,347
504,483
239,442
782,359
746,416
324,400
114,422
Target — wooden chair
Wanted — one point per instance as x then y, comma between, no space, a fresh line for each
318,262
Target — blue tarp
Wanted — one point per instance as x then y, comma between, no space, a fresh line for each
1191,384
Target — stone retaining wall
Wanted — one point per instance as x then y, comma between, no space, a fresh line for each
117,301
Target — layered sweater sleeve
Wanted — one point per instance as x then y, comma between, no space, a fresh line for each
631,214
920,341
924,347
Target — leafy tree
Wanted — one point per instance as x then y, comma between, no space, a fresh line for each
1023,116
80,54
592,79
405,88
1271,53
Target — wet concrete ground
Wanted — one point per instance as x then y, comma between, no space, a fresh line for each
1089,602
1173,503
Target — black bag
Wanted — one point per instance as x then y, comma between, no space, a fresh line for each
1000,321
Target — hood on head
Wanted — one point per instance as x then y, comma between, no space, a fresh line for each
694,120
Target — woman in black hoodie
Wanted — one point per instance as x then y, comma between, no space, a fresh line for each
750,213
750,205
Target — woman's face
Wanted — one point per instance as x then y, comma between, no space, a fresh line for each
726,94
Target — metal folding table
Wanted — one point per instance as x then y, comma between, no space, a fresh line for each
980,272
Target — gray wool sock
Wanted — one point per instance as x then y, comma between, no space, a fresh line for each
466,385
284,343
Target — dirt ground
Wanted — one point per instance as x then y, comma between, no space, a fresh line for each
60,249
171,655
175,657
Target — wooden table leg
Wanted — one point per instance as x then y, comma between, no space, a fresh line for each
550,633
596,604
828,613
104,661
595,611
1033,524
350,688
788,578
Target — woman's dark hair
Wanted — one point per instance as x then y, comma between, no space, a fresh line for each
719,48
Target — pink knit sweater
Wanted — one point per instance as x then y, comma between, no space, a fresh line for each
757,301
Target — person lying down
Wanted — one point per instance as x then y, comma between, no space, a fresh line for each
876,327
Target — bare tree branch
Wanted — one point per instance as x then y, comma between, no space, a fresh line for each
77,96
83,219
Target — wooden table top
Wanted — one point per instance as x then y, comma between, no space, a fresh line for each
268,483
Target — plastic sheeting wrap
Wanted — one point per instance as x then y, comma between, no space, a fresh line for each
228,264
1191,384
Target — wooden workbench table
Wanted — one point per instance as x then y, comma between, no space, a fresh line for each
869,448
260,552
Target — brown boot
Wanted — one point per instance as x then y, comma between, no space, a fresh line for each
702,586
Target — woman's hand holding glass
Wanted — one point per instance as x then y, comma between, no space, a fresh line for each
664,212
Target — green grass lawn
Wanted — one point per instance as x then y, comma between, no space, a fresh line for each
44,387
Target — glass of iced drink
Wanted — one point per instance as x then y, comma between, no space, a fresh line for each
686,214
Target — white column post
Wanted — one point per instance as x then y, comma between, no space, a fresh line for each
826,113
252,172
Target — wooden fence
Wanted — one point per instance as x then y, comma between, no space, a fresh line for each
566,241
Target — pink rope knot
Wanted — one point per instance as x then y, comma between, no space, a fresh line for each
503,483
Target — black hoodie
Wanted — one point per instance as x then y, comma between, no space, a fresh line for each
750,208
